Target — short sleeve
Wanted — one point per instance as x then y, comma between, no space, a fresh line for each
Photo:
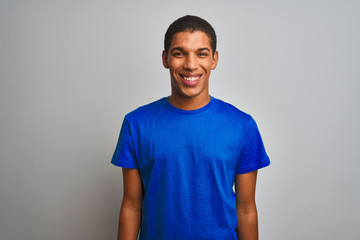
124,155
252,155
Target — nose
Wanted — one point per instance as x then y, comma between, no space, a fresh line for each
191,62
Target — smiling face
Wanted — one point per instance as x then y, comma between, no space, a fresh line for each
190,61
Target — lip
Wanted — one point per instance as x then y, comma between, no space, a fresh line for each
190,80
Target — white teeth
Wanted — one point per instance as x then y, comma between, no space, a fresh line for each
191,79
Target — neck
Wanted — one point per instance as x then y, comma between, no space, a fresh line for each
189,103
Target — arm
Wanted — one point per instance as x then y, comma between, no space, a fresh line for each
130,212
247,228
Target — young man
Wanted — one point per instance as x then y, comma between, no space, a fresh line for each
182,154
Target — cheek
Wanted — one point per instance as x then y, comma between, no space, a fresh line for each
208,67
174,68
172,73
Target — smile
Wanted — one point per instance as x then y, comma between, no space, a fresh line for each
190,80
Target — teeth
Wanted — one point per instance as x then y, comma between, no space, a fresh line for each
191,79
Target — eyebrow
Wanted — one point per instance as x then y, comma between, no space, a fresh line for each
182,49
204,49
177,48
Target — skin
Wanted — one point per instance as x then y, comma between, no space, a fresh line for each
189,55
247,228
130,211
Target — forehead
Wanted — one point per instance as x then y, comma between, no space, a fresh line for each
190,40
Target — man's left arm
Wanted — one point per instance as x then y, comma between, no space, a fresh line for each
247,227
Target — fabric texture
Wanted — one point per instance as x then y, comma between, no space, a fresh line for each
187,162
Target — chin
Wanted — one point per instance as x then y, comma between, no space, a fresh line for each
194,94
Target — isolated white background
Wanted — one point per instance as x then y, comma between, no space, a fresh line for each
70,70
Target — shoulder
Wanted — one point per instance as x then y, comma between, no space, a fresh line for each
230,111
146,110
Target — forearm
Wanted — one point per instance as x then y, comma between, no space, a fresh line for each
247,227
129,223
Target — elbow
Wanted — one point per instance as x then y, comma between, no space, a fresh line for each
246,208
133,204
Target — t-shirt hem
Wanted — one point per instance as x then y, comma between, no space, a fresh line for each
253,168
124,164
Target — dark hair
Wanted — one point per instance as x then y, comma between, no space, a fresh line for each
191,24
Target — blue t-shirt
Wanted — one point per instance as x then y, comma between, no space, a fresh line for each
187,162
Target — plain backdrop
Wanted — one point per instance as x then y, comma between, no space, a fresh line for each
71,70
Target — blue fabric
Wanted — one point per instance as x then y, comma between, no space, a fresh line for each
187,162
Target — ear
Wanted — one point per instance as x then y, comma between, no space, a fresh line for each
215,60
165,59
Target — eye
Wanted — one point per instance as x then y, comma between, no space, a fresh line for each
177,54
203,54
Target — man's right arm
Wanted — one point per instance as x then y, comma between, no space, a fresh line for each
130,211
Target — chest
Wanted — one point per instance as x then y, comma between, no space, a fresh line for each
189,143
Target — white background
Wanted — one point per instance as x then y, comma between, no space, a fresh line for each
70,70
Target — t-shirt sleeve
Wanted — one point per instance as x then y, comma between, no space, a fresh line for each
124,155
253,155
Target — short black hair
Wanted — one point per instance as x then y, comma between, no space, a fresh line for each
191,24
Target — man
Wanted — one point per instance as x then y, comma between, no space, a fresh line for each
182,154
